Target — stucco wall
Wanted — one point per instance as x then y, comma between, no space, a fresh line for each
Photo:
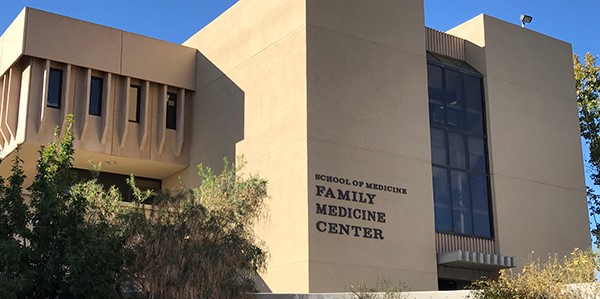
251,101
368,122
535,152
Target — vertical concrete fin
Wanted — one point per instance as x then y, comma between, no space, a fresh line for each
23,103
161,115
123,125
12,103
67,104
145,118
3,100
180,132
42,100
107,114
85,116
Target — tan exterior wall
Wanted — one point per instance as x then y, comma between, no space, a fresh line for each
535,151
38,41
45,35
25,118
12,42
368,121
251,101
328,101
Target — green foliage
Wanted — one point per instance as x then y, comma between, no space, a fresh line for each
14,217
72,239
570,277
587,82
200,242
50,247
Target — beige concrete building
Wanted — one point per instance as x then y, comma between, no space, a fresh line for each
393,151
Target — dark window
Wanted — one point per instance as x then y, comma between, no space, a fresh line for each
120,182
458,149
171,111
135,99
97,84
55,81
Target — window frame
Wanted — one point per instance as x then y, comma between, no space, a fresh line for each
171,118
466,137
138,102
97,108
58,104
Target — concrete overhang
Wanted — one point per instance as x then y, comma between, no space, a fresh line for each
66,40
475,260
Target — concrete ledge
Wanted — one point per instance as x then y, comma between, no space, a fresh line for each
475,260
406,295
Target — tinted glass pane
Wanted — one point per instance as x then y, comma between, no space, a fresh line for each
442,200
435,84
438,147
473,93
482,224
457,150
96,96
456,119
434,78
55,88
454,89
458,153
477,155
461,202
171,111
134,103
475,123
479,196
436,115
479,193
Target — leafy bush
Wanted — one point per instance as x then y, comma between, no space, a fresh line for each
569,277
72,239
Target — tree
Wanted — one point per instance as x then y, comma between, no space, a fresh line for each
14,217
587,82
200,243
51,245
76,239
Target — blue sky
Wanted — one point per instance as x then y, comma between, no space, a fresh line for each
573,21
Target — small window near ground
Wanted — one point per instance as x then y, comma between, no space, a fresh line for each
120,182
97,84
135,99
55,88
171,111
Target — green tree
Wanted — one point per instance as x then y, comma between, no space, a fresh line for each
75,239
14,217
587,82
200,242
51,248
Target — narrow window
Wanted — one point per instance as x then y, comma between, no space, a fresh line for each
135,99
171,111
55,88
96,87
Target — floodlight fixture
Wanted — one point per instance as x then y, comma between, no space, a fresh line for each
525,19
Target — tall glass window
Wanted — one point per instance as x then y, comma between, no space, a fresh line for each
135,100
458,148
171,111
55,88
96,87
